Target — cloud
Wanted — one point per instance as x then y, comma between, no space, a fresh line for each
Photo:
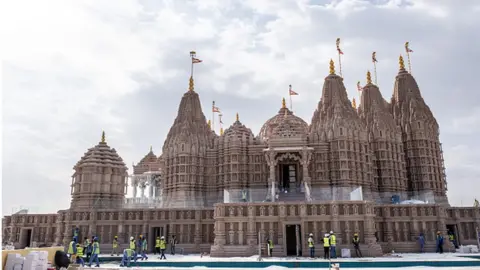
74,68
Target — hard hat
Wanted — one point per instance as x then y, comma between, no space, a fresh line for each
355,234
311,234
326,235
116,236
163,237
438,232
131,238
78,244
95,239
331,232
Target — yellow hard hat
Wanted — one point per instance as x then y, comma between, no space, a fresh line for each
116,236
355,234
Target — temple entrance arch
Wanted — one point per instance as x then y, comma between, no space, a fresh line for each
288,173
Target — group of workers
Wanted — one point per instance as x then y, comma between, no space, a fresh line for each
439,241
330,245
90,249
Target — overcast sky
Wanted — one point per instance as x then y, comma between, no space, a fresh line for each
74,68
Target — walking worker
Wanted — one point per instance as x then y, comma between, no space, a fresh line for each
333,245
95,253
157,246
80,255
421,242
144,248
439,243
87,248
127,257
311,245
356,245
173,244
326,247
163,246
133,246
270,246
115,246
72,250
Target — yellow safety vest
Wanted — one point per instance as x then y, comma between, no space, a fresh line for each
333,240
79,252
96,246
451,237
115,243
270,244
132,244
129,252
157,243
162,244
310,242
70,247
326,242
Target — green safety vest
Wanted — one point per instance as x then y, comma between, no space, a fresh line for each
96,246
333,240
162,244
451,237
79,252
310,242
157,243
132,244
326,242
70,248
129,252
270,244
115,243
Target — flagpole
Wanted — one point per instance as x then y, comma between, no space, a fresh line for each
375,71
340,63
213,115
192,55
290,94
220,122
407,49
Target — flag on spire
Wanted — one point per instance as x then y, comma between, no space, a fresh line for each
338,46
374,57
407,48
291,92
196,60
215,109
359,87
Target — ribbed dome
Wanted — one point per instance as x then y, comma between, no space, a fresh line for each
101,156
284,124
148,158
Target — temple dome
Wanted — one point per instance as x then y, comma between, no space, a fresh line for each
101,155
237,129
283,124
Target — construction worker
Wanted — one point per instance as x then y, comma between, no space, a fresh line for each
133,246
356,245
270,246
80,255
72,250
139,244
157,246
76,231
173,244
127,257
95,253
311,245
439,243
451,237
163,246
326,247
333,245
87,248
115,246
421,242
144,248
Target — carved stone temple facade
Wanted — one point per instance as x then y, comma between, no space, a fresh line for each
224,193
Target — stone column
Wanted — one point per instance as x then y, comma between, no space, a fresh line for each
134,185
270,157
306,157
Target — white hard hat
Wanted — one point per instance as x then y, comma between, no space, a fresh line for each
131,238
331,232
163,237
326,235
311,234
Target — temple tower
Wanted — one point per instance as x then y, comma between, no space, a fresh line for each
341,158
385,140
100,179
184,154
420,132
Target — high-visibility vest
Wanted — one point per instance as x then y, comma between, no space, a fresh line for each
270,244
310,242
79,252
129,252
326,242
356,239
157,243
132,244
70,248
244,194
162,244
333,240
451,237
115,243
96,248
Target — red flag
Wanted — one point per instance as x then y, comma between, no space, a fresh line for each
338,46
215,109
407,48
196,60
359,87
293,93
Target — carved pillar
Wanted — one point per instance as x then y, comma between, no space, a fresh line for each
270,157
151,186
134,185
306,157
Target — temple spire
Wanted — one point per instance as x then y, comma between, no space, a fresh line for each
237,118
332,67
354,103
103,137
284,104
401,63
209,123
369,77
191,84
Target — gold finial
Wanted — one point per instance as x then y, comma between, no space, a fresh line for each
369,77
103,136
209,123
354,103
284,104
237,118
400,62
332,67
221,131
190,84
